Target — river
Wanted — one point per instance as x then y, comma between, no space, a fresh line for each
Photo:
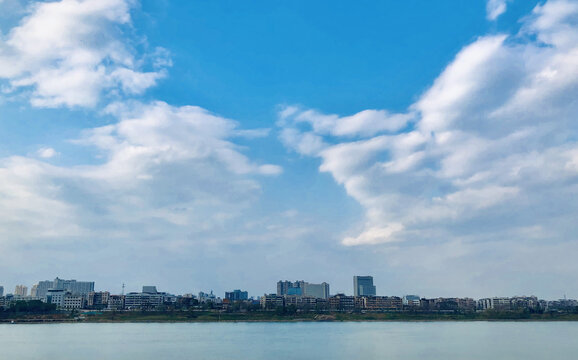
305,340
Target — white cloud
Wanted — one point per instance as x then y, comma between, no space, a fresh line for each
491,139
374,236
167,172
68,52
495,8
46,153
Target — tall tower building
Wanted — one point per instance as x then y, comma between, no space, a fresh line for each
1,291
363,286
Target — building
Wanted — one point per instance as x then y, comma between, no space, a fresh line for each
97,299
271,301
290,288
524,302
378,303
115,302
41,289
204,297
21,290
75,287
495,303
149,289
318,291
72,302
237,295
56,297
342,302
363,286
1,291
142,301
411,300
302,288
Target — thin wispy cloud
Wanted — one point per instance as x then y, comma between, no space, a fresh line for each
495,8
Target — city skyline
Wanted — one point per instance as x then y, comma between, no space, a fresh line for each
212,145
363,286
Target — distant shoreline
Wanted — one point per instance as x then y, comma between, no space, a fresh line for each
214,317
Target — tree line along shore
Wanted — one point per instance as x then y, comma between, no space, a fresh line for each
46,313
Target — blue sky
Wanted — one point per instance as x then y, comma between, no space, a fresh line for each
202,145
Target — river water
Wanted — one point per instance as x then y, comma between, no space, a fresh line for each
330,340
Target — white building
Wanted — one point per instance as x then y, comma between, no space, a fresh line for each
497,303
411,300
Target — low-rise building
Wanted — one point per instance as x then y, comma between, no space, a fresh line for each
378,303
96,300
342,302
271,301
210,297
55,296
72,302
142,301
411,300
115,302
495,303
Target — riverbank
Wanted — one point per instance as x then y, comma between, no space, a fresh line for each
208,316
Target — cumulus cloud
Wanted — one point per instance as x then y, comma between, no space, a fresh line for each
490,146
165,173
68,52
495,8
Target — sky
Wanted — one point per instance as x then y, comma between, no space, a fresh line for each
219,145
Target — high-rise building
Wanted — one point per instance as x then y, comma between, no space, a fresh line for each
42,288
72,286
290,288
363,286
237,295
302,288
149,289
75,287
21,290
1,290
319,291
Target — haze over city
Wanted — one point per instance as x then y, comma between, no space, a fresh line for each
227,145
